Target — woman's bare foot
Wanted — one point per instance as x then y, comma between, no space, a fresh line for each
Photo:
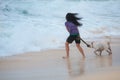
65,57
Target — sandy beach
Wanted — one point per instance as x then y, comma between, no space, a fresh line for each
49,65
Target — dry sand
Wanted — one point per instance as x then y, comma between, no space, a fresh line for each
49,65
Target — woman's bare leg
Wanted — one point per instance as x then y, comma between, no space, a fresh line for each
80,49
67,50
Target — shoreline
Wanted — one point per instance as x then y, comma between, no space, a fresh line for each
49,65
115,39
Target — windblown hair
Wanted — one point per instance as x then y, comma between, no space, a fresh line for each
71,17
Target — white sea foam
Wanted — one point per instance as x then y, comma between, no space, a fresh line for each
34,25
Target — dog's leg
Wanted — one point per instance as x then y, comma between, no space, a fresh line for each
109,49
100,53
96,52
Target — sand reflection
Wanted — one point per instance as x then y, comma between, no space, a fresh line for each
79,67
103,61
75,67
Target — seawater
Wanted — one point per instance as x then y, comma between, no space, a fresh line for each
34,25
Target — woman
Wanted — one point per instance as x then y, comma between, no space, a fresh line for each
72,27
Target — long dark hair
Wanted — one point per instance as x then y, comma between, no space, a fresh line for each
71,17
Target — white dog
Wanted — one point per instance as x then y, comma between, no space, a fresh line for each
100,46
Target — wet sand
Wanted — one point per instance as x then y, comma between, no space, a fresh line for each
49,65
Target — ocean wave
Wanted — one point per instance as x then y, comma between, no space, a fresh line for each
34,25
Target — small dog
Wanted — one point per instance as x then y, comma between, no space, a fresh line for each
100,46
